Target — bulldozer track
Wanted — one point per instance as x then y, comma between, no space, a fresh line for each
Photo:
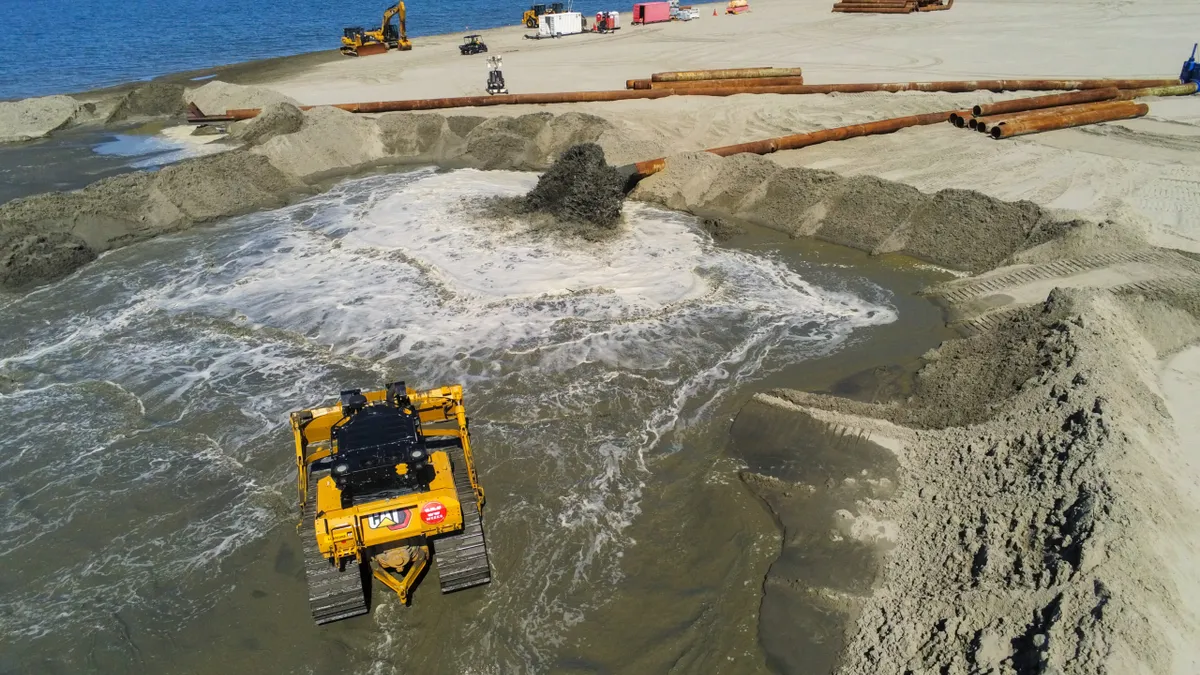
1183,282
1177,284
988,322
967,290
333,594
462,559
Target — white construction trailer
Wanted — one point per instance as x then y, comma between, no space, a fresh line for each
554,25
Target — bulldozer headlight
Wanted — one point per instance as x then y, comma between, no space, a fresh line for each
416,454
341,468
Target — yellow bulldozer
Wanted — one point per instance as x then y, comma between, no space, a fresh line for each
359,42
384,477
530,18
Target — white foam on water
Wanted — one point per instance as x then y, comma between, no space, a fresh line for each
152,151
581,360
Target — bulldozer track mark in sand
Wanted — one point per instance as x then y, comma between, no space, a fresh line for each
987,322
333,595
962,291
462,559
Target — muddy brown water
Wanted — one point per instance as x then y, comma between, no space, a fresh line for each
147,461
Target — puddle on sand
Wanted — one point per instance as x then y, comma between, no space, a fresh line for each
812,478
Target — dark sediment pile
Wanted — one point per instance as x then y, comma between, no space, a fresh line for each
579,194
580,187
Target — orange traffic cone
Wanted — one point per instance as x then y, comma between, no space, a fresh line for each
714,12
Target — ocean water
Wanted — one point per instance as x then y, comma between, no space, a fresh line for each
55,46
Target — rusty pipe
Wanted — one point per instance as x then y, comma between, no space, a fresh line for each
725,74
750,82
953,86
1021,104
621,95
907,9
795,141
1108,112
959,118
984,124
959,86
1175,90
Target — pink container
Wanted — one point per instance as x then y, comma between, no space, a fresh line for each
651,12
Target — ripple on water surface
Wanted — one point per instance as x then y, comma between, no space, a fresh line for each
160,378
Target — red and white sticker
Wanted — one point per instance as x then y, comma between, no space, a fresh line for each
433,513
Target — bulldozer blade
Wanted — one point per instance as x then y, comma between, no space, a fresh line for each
371,49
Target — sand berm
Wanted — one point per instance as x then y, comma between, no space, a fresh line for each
286,153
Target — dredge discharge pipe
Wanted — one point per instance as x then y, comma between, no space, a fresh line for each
622,95
1051,101
1176,90
1121,110
649,167
985,124
725,74
874,9
748,82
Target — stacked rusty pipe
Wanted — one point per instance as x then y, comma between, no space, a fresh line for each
876,6
1018,117
890,6
1065,119
727,77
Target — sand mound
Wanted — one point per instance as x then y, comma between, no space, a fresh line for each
47,236
276,119
529,142
153,100
32,118
864,212
329,140
216,97
1032,541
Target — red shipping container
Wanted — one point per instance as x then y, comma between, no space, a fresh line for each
651,12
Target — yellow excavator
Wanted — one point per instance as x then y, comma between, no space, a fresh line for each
384,476
359,42
530,18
